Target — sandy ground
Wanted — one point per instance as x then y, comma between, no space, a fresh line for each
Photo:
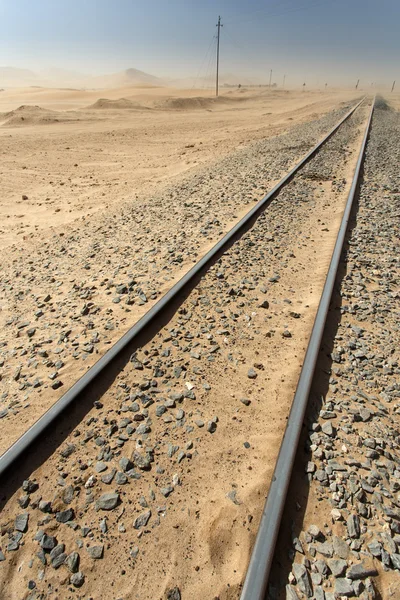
79,176
205,505
62,161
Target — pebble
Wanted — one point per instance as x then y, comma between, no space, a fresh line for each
107,501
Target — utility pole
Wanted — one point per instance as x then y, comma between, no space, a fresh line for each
358,81
270,78
394,83
283,85
219,25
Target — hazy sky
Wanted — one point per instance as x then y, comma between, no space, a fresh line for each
310,40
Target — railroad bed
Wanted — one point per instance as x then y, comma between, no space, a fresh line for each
160,484
341,535
67,298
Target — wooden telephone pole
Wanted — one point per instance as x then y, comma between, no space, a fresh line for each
219,25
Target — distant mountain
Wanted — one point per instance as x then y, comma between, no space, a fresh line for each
54,77
125,78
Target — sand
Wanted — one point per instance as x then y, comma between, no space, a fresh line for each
89,164
74,154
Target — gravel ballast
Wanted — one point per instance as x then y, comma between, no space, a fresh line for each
348,544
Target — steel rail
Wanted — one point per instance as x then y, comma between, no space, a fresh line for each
256,581
10,456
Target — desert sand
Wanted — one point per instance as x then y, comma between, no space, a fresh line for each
108,198
73,153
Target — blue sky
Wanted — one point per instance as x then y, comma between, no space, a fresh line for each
311,40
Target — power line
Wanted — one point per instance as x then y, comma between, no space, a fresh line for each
216,81
203,62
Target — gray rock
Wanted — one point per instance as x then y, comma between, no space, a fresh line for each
211,427
174,594
96,551
65,515
395,558
291,593
72,562
48,542
251,374
360,571
353,526
344,587
58,560
57,550
337,566
107,501
340,548
326,549
142,461
142,520
21,522
45,506
77,579
302,579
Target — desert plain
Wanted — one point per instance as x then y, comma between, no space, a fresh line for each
108,197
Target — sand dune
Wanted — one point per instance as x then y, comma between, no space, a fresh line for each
35,115
121,103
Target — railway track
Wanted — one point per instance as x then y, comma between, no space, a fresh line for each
40,441
255,585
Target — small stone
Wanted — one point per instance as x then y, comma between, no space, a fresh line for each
45,506
314,531
359,571
21,522
353,526
121,478
107,501
72,562
48,542
337,566
59,560
302,579
77,579
251,374
142,520
174,594
211,427
344,587
30,486
65,515
96,551
328,429
340,548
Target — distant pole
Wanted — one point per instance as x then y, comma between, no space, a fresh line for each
304,87
283,85
219,28
270,77
326,86
358,81
394,83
